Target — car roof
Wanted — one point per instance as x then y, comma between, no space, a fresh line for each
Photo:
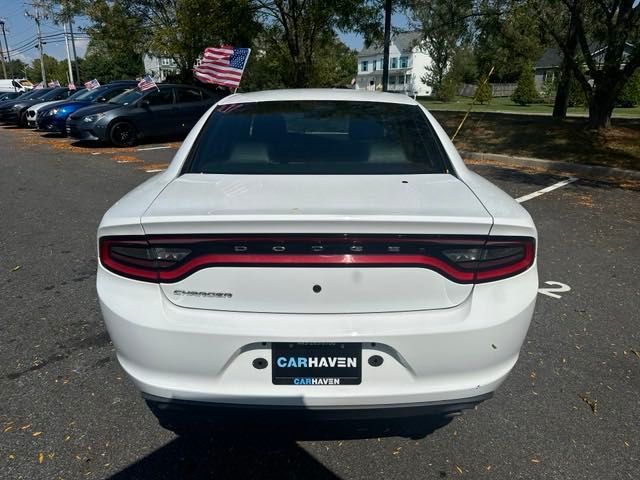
319,94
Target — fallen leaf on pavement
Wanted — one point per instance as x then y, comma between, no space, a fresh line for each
16,268
40,457
593,403
35,434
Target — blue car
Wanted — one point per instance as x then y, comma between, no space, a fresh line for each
54,118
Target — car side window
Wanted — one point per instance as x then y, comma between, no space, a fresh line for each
185,95
112,93
163,97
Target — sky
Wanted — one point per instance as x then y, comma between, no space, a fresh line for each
21,30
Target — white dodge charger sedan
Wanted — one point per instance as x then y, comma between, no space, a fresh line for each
316,253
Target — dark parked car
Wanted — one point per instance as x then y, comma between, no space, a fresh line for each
6,108
54,118
18,113
170,110
9,95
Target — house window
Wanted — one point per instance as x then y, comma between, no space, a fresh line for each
394,62
549,76
401,79
365,66
392,80
404,62
165,62
375,65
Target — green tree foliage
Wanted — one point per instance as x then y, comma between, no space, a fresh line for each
508,36
613,26
448,88
54,70
115,46
302,32
464,67
525,92
483,92
630,95
444,25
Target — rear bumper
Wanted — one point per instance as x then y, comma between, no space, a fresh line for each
233,413
436,356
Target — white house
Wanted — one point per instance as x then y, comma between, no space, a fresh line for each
407,62
160,67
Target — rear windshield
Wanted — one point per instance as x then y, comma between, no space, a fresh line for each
317,137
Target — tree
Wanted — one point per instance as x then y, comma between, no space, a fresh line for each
507,35
483,92
525,92
115,46
444,25
333,65
299,29
630,95
613,25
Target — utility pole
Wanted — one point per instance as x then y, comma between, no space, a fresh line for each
4,67
387,41
66,44
4,34
73,46
37,5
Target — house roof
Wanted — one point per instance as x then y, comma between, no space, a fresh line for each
552,58
549,59
403,41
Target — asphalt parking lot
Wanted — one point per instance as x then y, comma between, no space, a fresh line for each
569,410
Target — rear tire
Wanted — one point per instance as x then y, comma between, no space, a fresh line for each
123,134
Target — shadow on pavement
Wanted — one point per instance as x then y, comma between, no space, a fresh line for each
262,452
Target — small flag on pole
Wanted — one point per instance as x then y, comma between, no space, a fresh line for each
222,66
92,84
147,83
39,86
53,84
71,86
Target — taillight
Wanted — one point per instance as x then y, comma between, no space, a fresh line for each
168,259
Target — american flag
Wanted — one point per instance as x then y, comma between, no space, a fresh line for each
146,83
222,66
71,86
91,84
39,86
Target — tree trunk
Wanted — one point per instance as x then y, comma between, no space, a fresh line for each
387,41
600,109
562,94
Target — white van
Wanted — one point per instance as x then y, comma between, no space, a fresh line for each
15,85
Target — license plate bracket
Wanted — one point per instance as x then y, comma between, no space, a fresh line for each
311,364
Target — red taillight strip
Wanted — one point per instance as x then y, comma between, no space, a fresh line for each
302,260
486,271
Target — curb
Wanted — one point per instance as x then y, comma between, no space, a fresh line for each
579,169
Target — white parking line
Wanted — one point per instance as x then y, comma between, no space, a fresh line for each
156,170
152,148
546,190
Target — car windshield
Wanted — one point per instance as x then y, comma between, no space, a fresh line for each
93,94
41,94
127,97
53,93
317,137
78,95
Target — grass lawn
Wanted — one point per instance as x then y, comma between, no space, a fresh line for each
540,136
504,104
